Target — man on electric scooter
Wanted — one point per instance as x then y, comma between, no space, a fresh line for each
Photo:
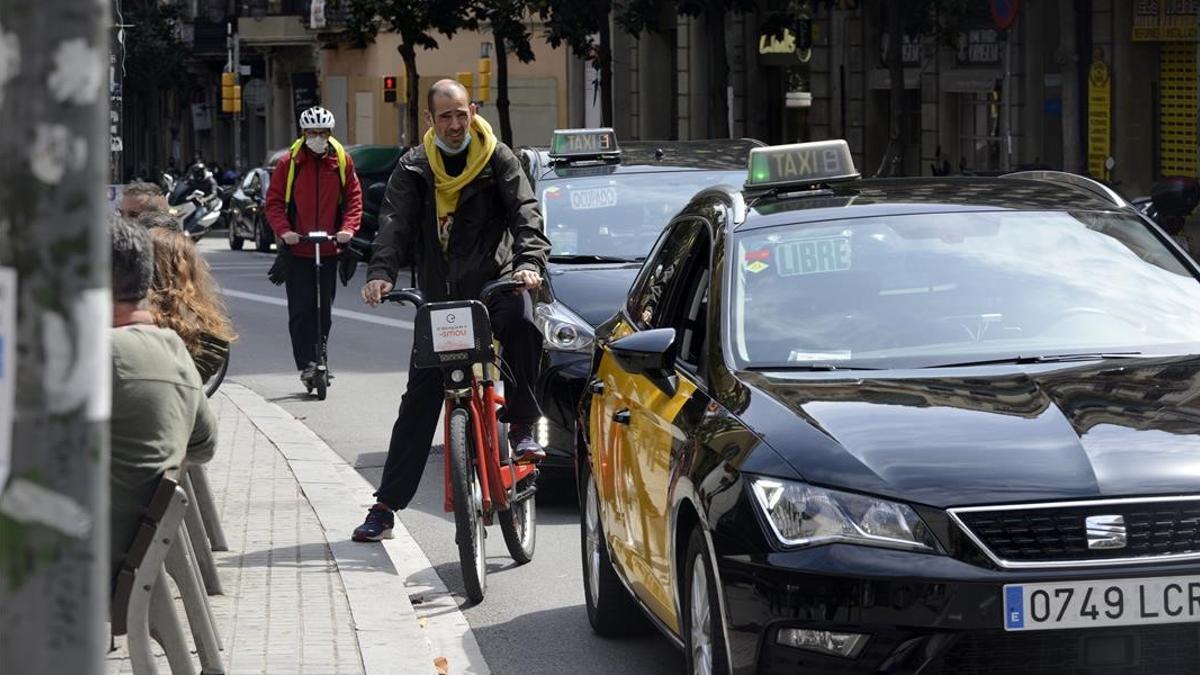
314,189
460,210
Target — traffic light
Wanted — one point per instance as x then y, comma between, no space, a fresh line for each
466,79
231,94
485,79
389,88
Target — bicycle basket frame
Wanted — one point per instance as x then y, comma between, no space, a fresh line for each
447,334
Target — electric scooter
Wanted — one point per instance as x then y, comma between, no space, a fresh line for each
320,379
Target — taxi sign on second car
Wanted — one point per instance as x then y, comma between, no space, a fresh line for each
583,143
800,164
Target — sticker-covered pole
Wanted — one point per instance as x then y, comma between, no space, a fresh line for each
54,321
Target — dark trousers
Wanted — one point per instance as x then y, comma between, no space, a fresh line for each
302,305
412,434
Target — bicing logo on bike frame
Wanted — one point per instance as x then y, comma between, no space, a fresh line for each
800,165
451,333
583,143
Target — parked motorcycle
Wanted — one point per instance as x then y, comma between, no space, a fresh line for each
197,210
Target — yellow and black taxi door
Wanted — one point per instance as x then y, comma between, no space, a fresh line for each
628,454
648,407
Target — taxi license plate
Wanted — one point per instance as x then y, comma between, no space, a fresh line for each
1087,604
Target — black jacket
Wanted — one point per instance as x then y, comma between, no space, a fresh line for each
497,228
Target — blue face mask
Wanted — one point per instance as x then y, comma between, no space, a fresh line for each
437,140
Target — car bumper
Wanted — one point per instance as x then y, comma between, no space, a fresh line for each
926,614
561,384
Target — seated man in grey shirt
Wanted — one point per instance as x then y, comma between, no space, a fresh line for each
160,415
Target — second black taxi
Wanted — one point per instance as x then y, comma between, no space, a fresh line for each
604,205
900,426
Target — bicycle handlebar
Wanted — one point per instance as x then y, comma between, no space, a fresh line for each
498,286
414,296
409,295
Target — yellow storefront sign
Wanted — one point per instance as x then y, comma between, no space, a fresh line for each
1099,117
1165,20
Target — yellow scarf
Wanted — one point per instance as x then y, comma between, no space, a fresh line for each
479,152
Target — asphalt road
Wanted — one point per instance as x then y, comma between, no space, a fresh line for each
533,619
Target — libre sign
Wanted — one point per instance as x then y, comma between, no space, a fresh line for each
1099,116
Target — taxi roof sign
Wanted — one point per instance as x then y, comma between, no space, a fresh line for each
800,165
583,143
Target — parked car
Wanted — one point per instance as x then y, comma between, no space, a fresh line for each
926,425
374,165
247,217
246,213
604,205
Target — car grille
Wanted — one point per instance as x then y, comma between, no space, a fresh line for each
1151,650
1058,533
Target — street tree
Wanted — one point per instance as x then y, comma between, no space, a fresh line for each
510,34
154,79
936,19
416,22
636,16
583,25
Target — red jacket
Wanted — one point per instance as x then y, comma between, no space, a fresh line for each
306,199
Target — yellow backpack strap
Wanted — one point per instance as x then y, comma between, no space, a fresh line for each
341,158
291,176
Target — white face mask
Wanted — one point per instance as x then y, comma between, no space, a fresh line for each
445,147
317,144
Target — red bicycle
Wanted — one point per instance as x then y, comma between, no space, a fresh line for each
483,483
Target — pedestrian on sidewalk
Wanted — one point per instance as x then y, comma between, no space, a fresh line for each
315,189
141,197
459,209
185,299
160,415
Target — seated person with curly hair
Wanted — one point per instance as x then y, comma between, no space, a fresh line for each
184,298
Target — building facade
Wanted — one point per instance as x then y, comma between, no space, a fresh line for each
1107,87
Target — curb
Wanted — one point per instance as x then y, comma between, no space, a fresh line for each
393,637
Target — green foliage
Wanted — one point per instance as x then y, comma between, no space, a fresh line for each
573,22
506,20
636,16
415,21
154,54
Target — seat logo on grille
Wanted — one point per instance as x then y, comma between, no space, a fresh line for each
1105,532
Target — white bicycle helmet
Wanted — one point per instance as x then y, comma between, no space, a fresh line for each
316,117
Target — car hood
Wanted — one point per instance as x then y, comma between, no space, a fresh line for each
594,292
991,435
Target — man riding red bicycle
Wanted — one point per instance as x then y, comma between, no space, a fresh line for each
460,210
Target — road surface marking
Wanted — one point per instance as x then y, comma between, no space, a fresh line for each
344,313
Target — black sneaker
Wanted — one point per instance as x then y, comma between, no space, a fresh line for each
525,449
377,526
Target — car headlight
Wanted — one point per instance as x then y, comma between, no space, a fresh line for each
562,329
803,515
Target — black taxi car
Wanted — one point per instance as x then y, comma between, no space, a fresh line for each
907,426
604,206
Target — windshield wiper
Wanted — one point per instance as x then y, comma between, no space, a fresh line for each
810,367
593,258
1043,358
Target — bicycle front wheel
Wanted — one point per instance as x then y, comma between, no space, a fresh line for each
519,521
468,506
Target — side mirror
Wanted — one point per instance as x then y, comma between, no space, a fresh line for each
650,353
1174,198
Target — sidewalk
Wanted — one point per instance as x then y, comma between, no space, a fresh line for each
299,596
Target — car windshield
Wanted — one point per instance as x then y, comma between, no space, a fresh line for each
619,216
940,289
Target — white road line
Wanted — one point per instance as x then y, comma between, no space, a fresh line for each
344,313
